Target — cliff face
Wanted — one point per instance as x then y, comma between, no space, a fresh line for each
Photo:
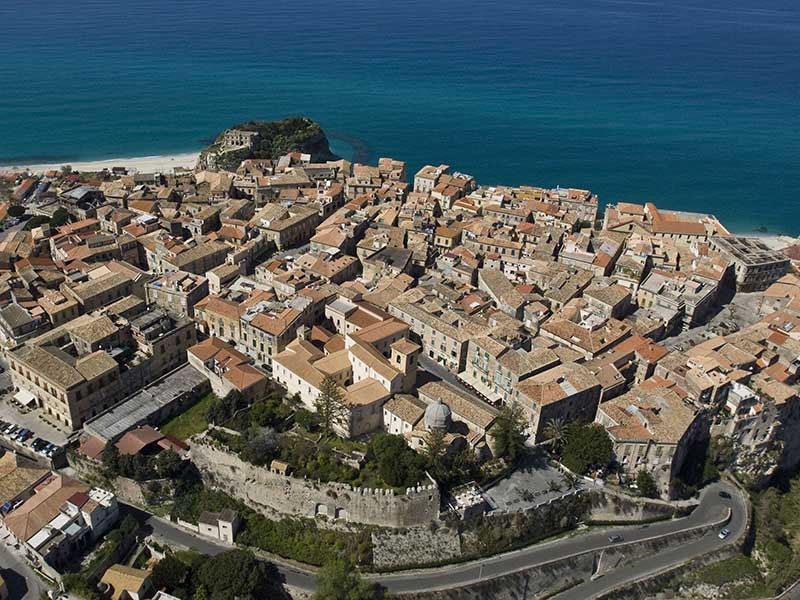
275,138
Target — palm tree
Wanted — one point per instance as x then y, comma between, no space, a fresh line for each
555,430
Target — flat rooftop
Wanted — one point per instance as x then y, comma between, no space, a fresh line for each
135,410
749,251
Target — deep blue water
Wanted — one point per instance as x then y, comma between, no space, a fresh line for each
691,104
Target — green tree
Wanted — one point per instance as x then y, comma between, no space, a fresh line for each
233,575
587,445
646,484
60,217
169,573
435,450
110,460
329,404
508,432
339,580
168,464
305,418
398,465
223,409
201,593
16,210
555,431
268,411
34,222
262,446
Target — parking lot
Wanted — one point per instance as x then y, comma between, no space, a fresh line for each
533,483
19,422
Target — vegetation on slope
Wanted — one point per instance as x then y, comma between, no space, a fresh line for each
276,138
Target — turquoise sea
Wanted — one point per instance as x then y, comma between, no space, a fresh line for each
692,104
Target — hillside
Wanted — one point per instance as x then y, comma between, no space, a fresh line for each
295,134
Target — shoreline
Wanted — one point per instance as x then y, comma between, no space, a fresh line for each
141,164
167,162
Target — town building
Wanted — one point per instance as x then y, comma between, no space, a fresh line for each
652,429
567,392
177,292
755,264
227,369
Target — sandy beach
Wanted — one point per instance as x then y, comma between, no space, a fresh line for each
142,164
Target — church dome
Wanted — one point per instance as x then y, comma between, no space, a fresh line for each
437,416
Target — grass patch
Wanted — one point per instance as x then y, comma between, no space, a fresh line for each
726,571
191,421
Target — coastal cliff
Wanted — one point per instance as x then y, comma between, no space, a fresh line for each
268,140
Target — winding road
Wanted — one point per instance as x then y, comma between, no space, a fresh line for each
712,509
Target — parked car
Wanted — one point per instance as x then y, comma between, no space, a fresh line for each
724,533
614,538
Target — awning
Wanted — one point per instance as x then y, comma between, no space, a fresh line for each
25,398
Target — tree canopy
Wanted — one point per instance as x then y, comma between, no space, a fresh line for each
169,573
587,445
646,484
232,575
338,580
398,465
16,210
329,405
508,432
223,409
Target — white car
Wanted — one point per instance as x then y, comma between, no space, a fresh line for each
724,533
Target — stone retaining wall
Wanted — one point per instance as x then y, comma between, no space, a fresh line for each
545,579
416,546
611,507
271,493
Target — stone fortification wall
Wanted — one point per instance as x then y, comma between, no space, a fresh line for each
271,493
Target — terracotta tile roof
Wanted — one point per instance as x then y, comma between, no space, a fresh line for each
125,579
17,475
91,446
137,440
38,510
219,306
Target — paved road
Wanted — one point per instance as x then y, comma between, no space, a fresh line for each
653,564
711,509
23,583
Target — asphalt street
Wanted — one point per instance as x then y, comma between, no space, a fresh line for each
22,582
712,508
658,562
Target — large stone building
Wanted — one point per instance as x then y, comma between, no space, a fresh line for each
71,388
651,428
756,265
567,392
227,369
177,292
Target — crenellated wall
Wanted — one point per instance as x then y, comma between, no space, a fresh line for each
271,493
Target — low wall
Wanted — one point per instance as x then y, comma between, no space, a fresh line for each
546,579
415,546
271,493
57,461
609,506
